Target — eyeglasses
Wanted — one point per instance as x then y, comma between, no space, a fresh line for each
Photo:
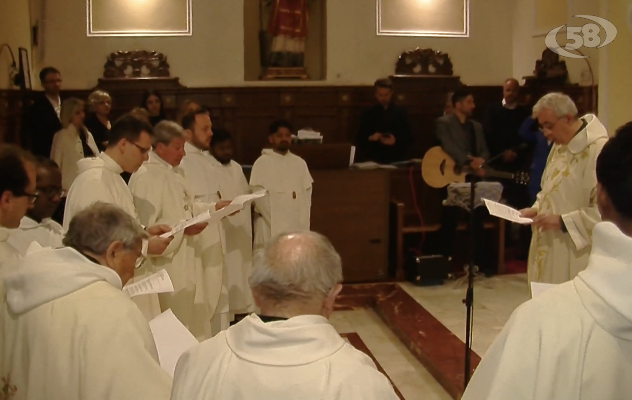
139,261
51,192
31,196
141,148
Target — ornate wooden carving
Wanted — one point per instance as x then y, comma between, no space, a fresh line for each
423,62
136,64
549,69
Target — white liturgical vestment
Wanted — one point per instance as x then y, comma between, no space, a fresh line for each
9,256
198,172
236,235
162,196
288,204
299,358
571,342
100,179
67,331
569,189
48,233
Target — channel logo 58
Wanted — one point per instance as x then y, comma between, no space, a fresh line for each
586,35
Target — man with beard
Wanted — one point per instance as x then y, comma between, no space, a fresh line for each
237,229
37,225
198,172
289,185
463,139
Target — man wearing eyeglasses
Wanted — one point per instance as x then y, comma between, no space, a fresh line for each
37,225
17,194
565,211
99,179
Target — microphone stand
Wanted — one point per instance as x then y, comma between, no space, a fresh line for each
469,295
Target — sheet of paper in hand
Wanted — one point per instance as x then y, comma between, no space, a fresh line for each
216,216
504,212
160,282
172,339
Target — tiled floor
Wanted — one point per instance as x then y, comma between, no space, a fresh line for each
494,300
410,377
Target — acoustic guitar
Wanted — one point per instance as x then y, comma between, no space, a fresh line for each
438,170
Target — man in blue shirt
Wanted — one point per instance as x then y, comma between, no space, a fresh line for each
530,132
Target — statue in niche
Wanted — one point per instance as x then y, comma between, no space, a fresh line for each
282,38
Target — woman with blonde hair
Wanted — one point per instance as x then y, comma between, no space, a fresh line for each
73,142
98,121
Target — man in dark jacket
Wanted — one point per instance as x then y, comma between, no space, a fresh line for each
42,118
384,130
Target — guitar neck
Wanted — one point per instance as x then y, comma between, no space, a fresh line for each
499,174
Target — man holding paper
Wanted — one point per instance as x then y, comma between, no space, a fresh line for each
573,341
236,230
289,185
100,179
198,172
565,210
163,196
67,331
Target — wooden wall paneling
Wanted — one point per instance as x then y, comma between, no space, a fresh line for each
335,111
251,131
10,115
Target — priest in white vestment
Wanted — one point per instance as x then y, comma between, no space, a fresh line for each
17,194
100,179
565,210
163,196
237,229
198,172
574,341
37,225
67,331
289,185
289,351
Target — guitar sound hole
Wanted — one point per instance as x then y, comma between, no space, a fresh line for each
442,167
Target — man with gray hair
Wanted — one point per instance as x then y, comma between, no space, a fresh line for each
67,331
565,210
289,351
162,196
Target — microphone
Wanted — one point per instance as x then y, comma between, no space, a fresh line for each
521,146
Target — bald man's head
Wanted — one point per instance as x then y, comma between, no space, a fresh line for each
296,268
511,89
